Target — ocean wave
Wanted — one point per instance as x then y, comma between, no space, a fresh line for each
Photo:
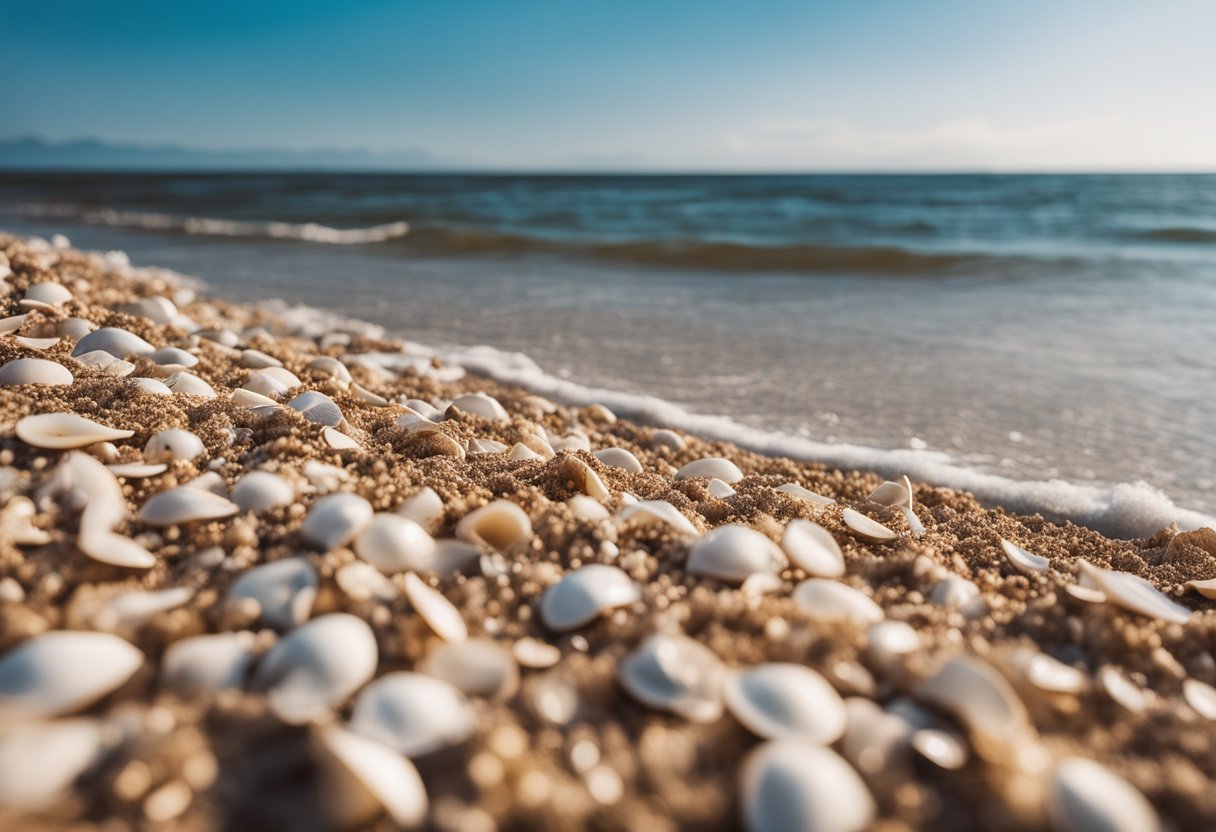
1178,234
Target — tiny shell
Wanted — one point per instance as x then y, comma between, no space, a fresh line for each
786,701
522,453
40,761
657,511
412,713
824,599
207,663
619,458
536,654
479,404
1134,594
117,342
812,547
438,612
36,343
334,521
283,589
1201,696
1023,560
61,431
259,491
151,385
317,407
272,382
185,504
63,671
478,668
585,594
582,475
34,371
393,543
75,328
866,528
796,490
374,399
425,508
791,786
364,778
173,444
732,553
500,525
1088,797
674,673
364,582
719,489
716,467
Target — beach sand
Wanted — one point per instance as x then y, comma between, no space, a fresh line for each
568,747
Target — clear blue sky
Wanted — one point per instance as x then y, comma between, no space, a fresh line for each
878,84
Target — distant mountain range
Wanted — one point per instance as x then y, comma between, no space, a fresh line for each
33,153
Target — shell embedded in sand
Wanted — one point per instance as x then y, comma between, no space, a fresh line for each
733,553
317,407
585,594
719,489
664,438
257,360
1201,696
674,673
12,323
485,446
204,664
185,504
954,591
479,404
1205,588
499,525
61,431
657,512
284,591
786,701
362,779
153,386
374,399
316,666
786,785
259,404
337,440
40,761
713,466
522,453
36,343
108,364
74,328
259,491
117,342
413,713
327,365
393,543
188,384
1085,795
824,599
173,444
34,371
172,356
979,697
425,508
44,296
1045,672
154,308
334,521
63,671
585,508
888,640
1023,560
812,547
536,654
582,475
866,528
796,490
1134,594
477,667
438,612
890,494
272,382
619,458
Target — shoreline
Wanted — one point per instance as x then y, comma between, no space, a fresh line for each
523,763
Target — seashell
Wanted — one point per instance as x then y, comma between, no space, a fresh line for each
779,700
316,666
888,640
106,363
1205,588
664,438
262,405
573,441
866,528
713,466
499,525
416,423
155,308
1122,690
1133,593
272,382
259,491
438,612
1045,672
204,664
657,511
332,367
980,698
185,504
674,673
412,713
364,779
476,668
1023,560
211,481
954,591
128,611
944,749
826,600
173,444
522,453
284,591
479,404
114,549
733,553
584,595
582,475
75,328
1086,796
536,654
45,296
875,742
456,556
36,343
786,785
891,494
324,478
117,342
585,508
796,490
334,521
40,761
317,407
393,543
61,431
374,399
223,337
12,323
423,408
258,360
485,446
63,671
189,384
812,547
34,371
152,385
337,440
364,582
619,458
172,356
1201,696
719,489
425,508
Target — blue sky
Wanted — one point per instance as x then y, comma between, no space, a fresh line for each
746,85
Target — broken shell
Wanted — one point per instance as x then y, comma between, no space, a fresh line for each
826,600
1201,696
425,508
317,407
1087,796
499,525
337,440
36,343
284,591
63,671
207,663
60,431
812,547
890,494
787,785
188,384
1205,588
732,553
866,528
438,612
258,491
334,521
364,778
393,543
979,697
34,371
674,673
1023,560
479,404
40,761
786,701
1134,594
717,467
185,504
585,594
117,342
477,668
173,444
619,458
412,713
44,295
657,511
796,490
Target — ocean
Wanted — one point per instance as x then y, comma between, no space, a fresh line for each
1047,341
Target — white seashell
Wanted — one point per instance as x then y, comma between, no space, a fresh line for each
40,761
423,408
826,600
117,342
412,713
719,489
866,528
204,664
1088,797
761,583
522,453
254,401
888,640
108,364
36,343
812,547
364,582
17,525
1201,696
499,525
324,478
657,511
61,431
674,673
583,476
785,701
438,612
979,697
45,295
890,494
259,491
1123,690
364,779
485,446
796,490
157,309
63,671
128,611
338,440
875,742
791,786
536,654
416,423
479,404
584,595
172,356
317,407
733,553
272,382
716,467
585,508
374,399
211,481
258,360
75,328
173,444
114,549
185,504
283,589
1205,588
334,521
667,439
477,668
954,591
329,366
1134,594
12,323
619,458
1045,672
425,508
393,543
223,337
189,384
34,371
316,666
573,441
1023,560
153,386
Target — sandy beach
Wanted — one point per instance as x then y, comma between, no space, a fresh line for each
759,643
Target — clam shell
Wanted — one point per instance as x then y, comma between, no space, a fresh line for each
619,458
581,474
1205,588
259,491
12,323
412,713
438,612
172,356
258,360
204,664
105,362
499,525
1023,560
674,673
188,384
185,504
890,494
34,371
664,438
43,295
716,467
316,666
363,779
60,431
791,786
866,528
317,407
63,671
536,654
719,489
425,508
1088,797
117,342
75,328
979,697
40,761
1201,696
283,589
584,595
374,399
585,508
733,553
36,343
151,385
477,668
522,453
485,446
805,494
479,404
334,521
173,444
262,405
106,547
272,382
786,701
393,543
812,547
327,365
824,599
657,511
1134,594
337,440
157,309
